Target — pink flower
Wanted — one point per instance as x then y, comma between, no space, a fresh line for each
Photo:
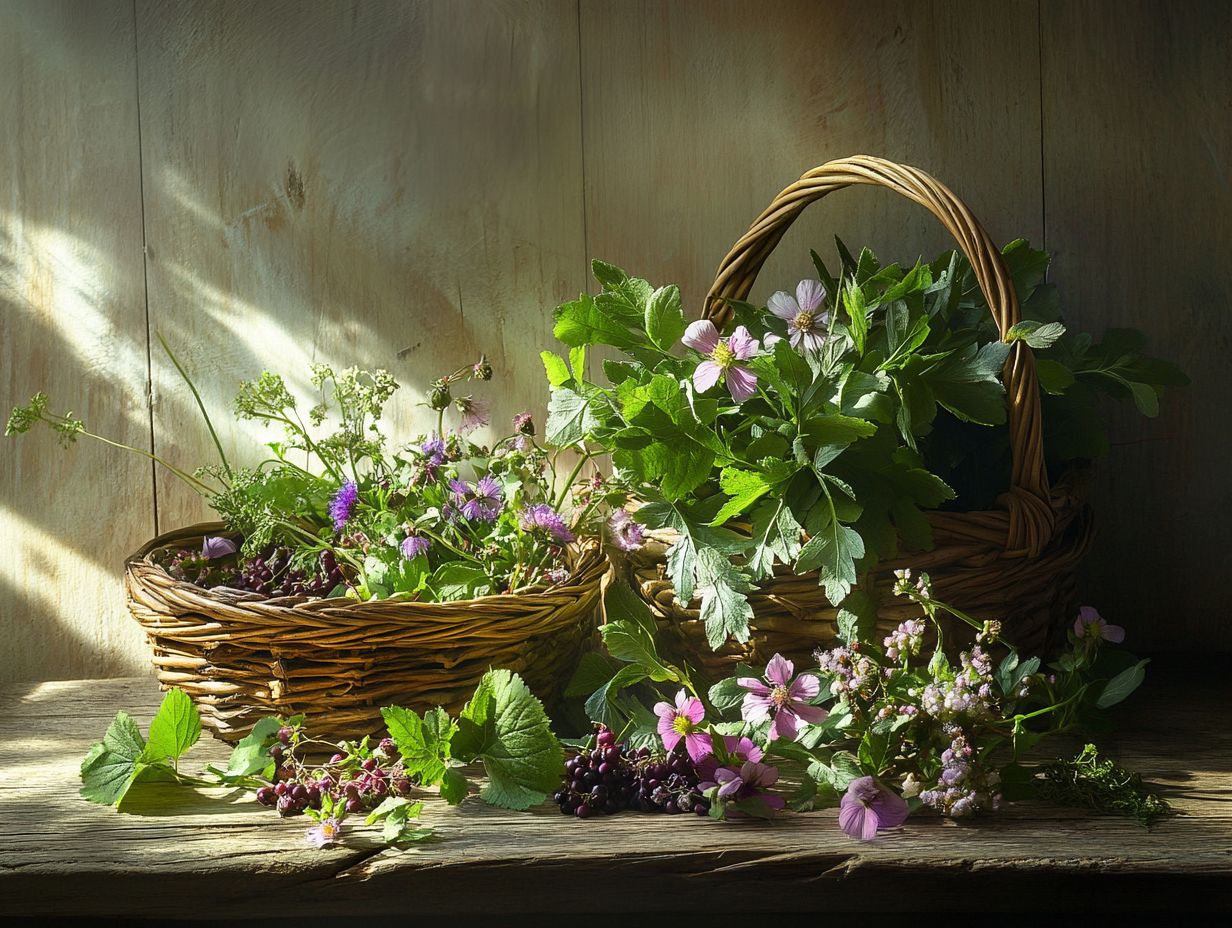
414,545
474,413
1091,624
785,700
681,721
749,781
723,353
738,750
868,807
800,313
216,546
627,534
326,832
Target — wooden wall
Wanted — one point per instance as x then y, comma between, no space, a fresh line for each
406,184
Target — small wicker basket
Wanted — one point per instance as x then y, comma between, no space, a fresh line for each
241,656
1014,563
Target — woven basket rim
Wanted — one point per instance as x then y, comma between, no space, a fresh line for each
588,565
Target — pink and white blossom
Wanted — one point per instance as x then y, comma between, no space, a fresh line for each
782,699
723,357
1090,624
805,325
681,721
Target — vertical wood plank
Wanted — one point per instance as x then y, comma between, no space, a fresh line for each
72,323
1137,147
696,113
384,184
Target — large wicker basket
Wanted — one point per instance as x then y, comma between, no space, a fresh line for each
241,656
1015,563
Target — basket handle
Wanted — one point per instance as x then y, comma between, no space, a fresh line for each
1031,516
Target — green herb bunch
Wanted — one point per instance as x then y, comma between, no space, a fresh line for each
816,433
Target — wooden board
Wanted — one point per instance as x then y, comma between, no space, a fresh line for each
385,184
181,854
1138,194
696,113
72,323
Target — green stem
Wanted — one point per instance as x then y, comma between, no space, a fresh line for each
564,491
222,455
199,487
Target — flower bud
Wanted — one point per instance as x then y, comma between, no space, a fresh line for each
482,369
440,397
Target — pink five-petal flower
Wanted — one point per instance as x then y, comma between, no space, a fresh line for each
749,781
869,807
722,357
784,700
1091,623
326,832
738,750
800,312
681,721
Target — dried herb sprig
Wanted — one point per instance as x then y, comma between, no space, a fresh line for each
1098,783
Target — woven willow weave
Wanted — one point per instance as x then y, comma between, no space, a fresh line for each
241,656
1014,563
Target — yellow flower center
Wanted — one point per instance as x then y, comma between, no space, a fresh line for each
803,322
682,725
779,696
723,355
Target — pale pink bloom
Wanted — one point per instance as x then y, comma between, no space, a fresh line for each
722,357
681,721
216,546
749,781
869,807
1091,624
804,322
784,699
474,413
326,832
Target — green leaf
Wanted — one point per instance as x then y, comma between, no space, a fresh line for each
1145,398
112,765
620,603
857,619
664,317
633,644
967,383
593,670
251,754
728,693
833,553
874,751
587,322
505,727
857,316
1054,377
1120,686
557,370
725,609
776,536
570,418
453,787
1035,334
455,580
175,728
744,487
682,567
424,744
600,706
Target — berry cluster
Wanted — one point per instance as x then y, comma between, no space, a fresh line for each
271,573
614,777
354,777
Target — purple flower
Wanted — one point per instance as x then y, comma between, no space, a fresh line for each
524,424
785,700
723,353
738,750
868,807
681,721
800,312
542,516
414,545
627,534
215,546
434,450
474,413
342,506
326,832
1090,624
480,502
749,781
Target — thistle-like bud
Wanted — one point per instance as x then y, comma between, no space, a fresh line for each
482,369
439,398
524,424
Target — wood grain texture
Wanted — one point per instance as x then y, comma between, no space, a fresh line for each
1137,145
72,323
217,854
697,113
384,184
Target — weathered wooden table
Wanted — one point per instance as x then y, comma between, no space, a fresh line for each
222,855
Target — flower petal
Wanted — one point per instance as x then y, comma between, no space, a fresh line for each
741,383
814,715
742,344
755,708
1088,614
813,342
890,808
783,305
1113,633
753,685
770,341
701,336
809,294
779,670
851,815
786,725
670,737
705,376
665,710
804,687
698,745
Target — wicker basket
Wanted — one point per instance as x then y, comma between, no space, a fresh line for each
241,656
1014,563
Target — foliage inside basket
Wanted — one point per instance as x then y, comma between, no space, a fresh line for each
817,431
333,511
